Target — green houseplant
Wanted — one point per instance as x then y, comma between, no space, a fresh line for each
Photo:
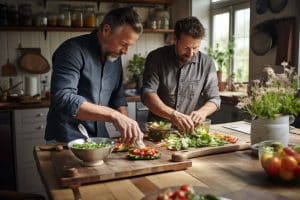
222,57
136,67
272,102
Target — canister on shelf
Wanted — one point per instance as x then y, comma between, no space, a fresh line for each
64,17
3,15
25,15
52,19
41,19
99,18
77,16
13,15
89,16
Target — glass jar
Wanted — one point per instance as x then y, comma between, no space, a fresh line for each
77,17
165,23
25,15
13,15
41,19
99,18
3,15
52,19
64,17
89,17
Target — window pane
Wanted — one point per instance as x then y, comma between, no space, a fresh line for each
241,38
221,32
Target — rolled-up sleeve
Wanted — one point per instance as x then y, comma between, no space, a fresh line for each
67,64
211,89
150,77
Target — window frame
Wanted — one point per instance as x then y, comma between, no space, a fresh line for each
230,6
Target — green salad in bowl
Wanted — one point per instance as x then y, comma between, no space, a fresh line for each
158,130
91,153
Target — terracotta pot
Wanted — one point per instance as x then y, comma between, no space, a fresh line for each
219,75
222,85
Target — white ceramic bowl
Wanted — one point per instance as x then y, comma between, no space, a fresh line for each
92,157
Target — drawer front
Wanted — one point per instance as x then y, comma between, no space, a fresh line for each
31,115
31,120
24,129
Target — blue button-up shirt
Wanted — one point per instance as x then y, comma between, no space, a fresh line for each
79,76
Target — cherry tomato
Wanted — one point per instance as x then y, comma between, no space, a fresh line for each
289,163
289,151
286,175
185,188
274,166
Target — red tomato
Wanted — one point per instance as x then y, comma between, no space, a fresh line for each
289,151
185,188
179,193
297,157
289,163
297,171
274,166
286,175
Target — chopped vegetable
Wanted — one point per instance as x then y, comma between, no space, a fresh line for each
200,138
90,145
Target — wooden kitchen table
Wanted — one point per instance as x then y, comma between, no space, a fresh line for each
235,175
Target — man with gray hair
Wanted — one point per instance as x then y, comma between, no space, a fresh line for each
86,83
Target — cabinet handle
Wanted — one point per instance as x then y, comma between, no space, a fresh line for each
40,115
40,127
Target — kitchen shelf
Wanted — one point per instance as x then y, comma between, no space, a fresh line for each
69,29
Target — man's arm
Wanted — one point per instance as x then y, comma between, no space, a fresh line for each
156,106
200,115
128,128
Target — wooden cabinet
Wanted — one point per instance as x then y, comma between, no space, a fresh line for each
29,129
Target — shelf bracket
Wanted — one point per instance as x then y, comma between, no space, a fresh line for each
45,4
45,34
98,5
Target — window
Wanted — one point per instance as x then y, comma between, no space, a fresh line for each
231,21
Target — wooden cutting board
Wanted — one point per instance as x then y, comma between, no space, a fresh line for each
242,144
115,167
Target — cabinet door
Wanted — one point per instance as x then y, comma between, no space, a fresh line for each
29,130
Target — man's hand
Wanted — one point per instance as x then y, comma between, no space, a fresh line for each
183,122
198,116
129,129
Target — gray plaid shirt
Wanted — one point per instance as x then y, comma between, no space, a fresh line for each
185,88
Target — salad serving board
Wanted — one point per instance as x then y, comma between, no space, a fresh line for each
242,143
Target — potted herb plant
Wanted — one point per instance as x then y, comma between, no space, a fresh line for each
136,69
272,103
222,58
